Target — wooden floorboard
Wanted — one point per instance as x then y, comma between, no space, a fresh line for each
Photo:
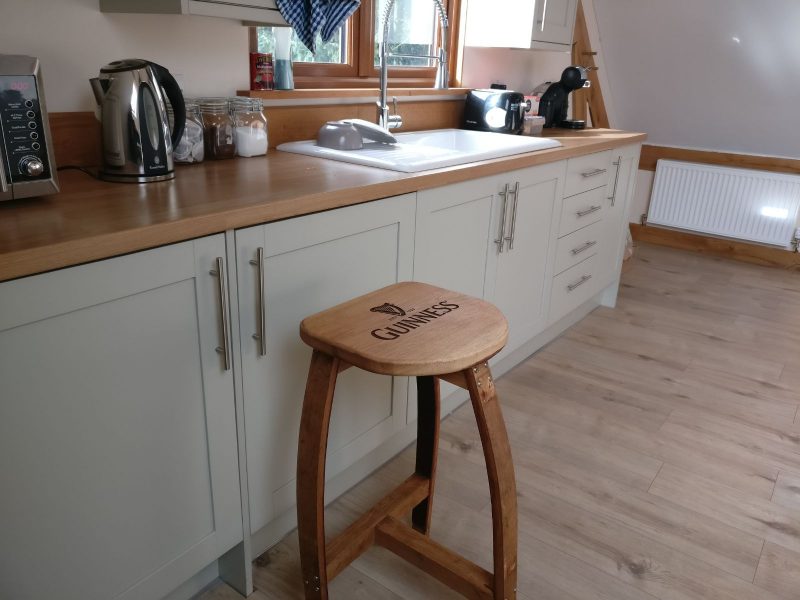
657,453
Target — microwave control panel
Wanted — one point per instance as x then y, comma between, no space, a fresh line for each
24,149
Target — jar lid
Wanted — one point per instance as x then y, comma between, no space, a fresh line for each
245,104
213,105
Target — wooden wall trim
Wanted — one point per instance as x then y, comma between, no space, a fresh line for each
725,248
591,98
651,154
76,139
76,135
292,123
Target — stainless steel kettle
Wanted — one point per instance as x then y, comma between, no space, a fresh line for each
137,139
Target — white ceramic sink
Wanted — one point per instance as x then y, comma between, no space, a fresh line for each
422,150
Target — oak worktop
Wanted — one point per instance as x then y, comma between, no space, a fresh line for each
91,220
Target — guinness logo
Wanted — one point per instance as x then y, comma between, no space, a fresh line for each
389,309
411,321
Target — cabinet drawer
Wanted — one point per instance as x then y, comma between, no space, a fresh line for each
579,245
582,210
573,287
587,172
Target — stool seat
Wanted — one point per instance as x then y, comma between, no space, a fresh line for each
409,328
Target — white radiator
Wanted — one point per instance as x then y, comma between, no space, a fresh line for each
738,203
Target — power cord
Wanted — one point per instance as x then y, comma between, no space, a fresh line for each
86,170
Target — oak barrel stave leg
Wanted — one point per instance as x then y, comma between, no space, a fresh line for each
427,447
502,484
312,447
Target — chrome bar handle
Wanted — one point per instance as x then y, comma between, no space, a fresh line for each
510,238
584,248
588,211
501,240
261,336
3,185
544,16
613,196
219,273
571,287
593,173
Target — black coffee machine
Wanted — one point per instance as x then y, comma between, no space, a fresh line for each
554,103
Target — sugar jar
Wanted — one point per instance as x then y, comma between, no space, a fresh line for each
250,126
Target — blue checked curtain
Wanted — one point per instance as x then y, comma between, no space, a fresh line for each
312,17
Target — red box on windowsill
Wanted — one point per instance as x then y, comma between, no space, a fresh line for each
261,71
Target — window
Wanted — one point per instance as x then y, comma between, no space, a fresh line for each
331,52
412,31
351,58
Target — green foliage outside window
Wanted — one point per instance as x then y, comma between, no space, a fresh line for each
328,52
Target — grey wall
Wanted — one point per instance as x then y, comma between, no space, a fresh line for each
73,39
708,74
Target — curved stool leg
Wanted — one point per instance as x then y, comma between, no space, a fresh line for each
427,447
502,485
312,446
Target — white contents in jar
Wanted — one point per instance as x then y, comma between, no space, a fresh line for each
190,146
250,141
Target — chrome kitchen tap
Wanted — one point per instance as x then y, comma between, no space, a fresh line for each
394,121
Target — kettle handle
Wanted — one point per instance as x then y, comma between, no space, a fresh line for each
175,96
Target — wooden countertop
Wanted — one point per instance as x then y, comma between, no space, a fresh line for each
91,220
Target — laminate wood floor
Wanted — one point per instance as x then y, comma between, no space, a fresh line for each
657,452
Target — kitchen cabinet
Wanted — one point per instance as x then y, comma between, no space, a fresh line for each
119,430
454,243
260,12
592,226
286,271
540,25
620,191
454,249
491,238
118,447
553,25
523,221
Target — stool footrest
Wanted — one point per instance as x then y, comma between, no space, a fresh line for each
360,535
445,565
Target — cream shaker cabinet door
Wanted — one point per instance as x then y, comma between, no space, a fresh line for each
537,24
453,233
524,219
452,241
287,271
615,222
553,24
118,456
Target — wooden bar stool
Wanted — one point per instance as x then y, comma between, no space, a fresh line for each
407,329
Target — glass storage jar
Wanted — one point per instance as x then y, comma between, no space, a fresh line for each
190,148
217,128
250,126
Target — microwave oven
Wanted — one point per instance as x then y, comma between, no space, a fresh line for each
27,167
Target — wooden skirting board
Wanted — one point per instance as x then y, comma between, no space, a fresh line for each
651,155
732,249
